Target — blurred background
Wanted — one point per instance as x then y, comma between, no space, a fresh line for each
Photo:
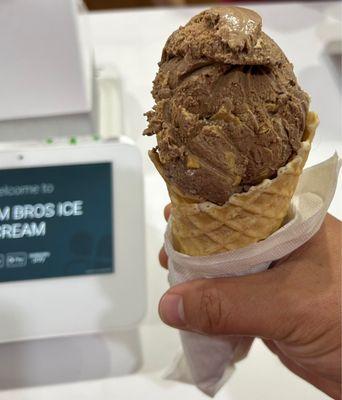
108,4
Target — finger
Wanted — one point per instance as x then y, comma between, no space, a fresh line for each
167,212
254,305
328,386
270,304
270,344
163,259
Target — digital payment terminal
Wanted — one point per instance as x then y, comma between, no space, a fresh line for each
71,238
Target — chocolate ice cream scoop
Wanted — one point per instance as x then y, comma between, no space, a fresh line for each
229,112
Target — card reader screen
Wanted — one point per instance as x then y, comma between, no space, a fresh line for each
56,221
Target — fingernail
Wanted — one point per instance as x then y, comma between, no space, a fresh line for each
171,310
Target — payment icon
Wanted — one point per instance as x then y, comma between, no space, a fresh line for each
16,260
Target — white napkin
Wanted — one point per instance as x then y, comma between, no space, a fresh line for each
208,362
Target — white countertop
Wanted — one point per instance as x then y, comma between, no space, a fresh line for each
134,40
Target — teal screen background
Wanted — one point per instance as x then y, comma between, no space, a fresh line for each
73,245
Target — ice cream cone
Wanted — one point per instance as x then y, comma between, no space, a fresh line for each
229,114
204,228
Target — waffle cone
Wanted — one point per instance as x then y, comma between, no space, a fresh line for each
204,228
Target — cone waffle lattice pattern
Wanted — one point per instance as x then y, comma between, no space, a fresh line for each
200,229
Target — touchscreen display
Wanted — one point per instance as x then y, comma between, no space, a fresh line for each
56,221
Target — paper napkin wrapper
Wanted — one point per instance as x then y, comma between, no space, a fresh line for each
208,362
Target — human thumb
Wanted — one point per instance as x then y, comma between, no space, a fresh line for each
253,305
